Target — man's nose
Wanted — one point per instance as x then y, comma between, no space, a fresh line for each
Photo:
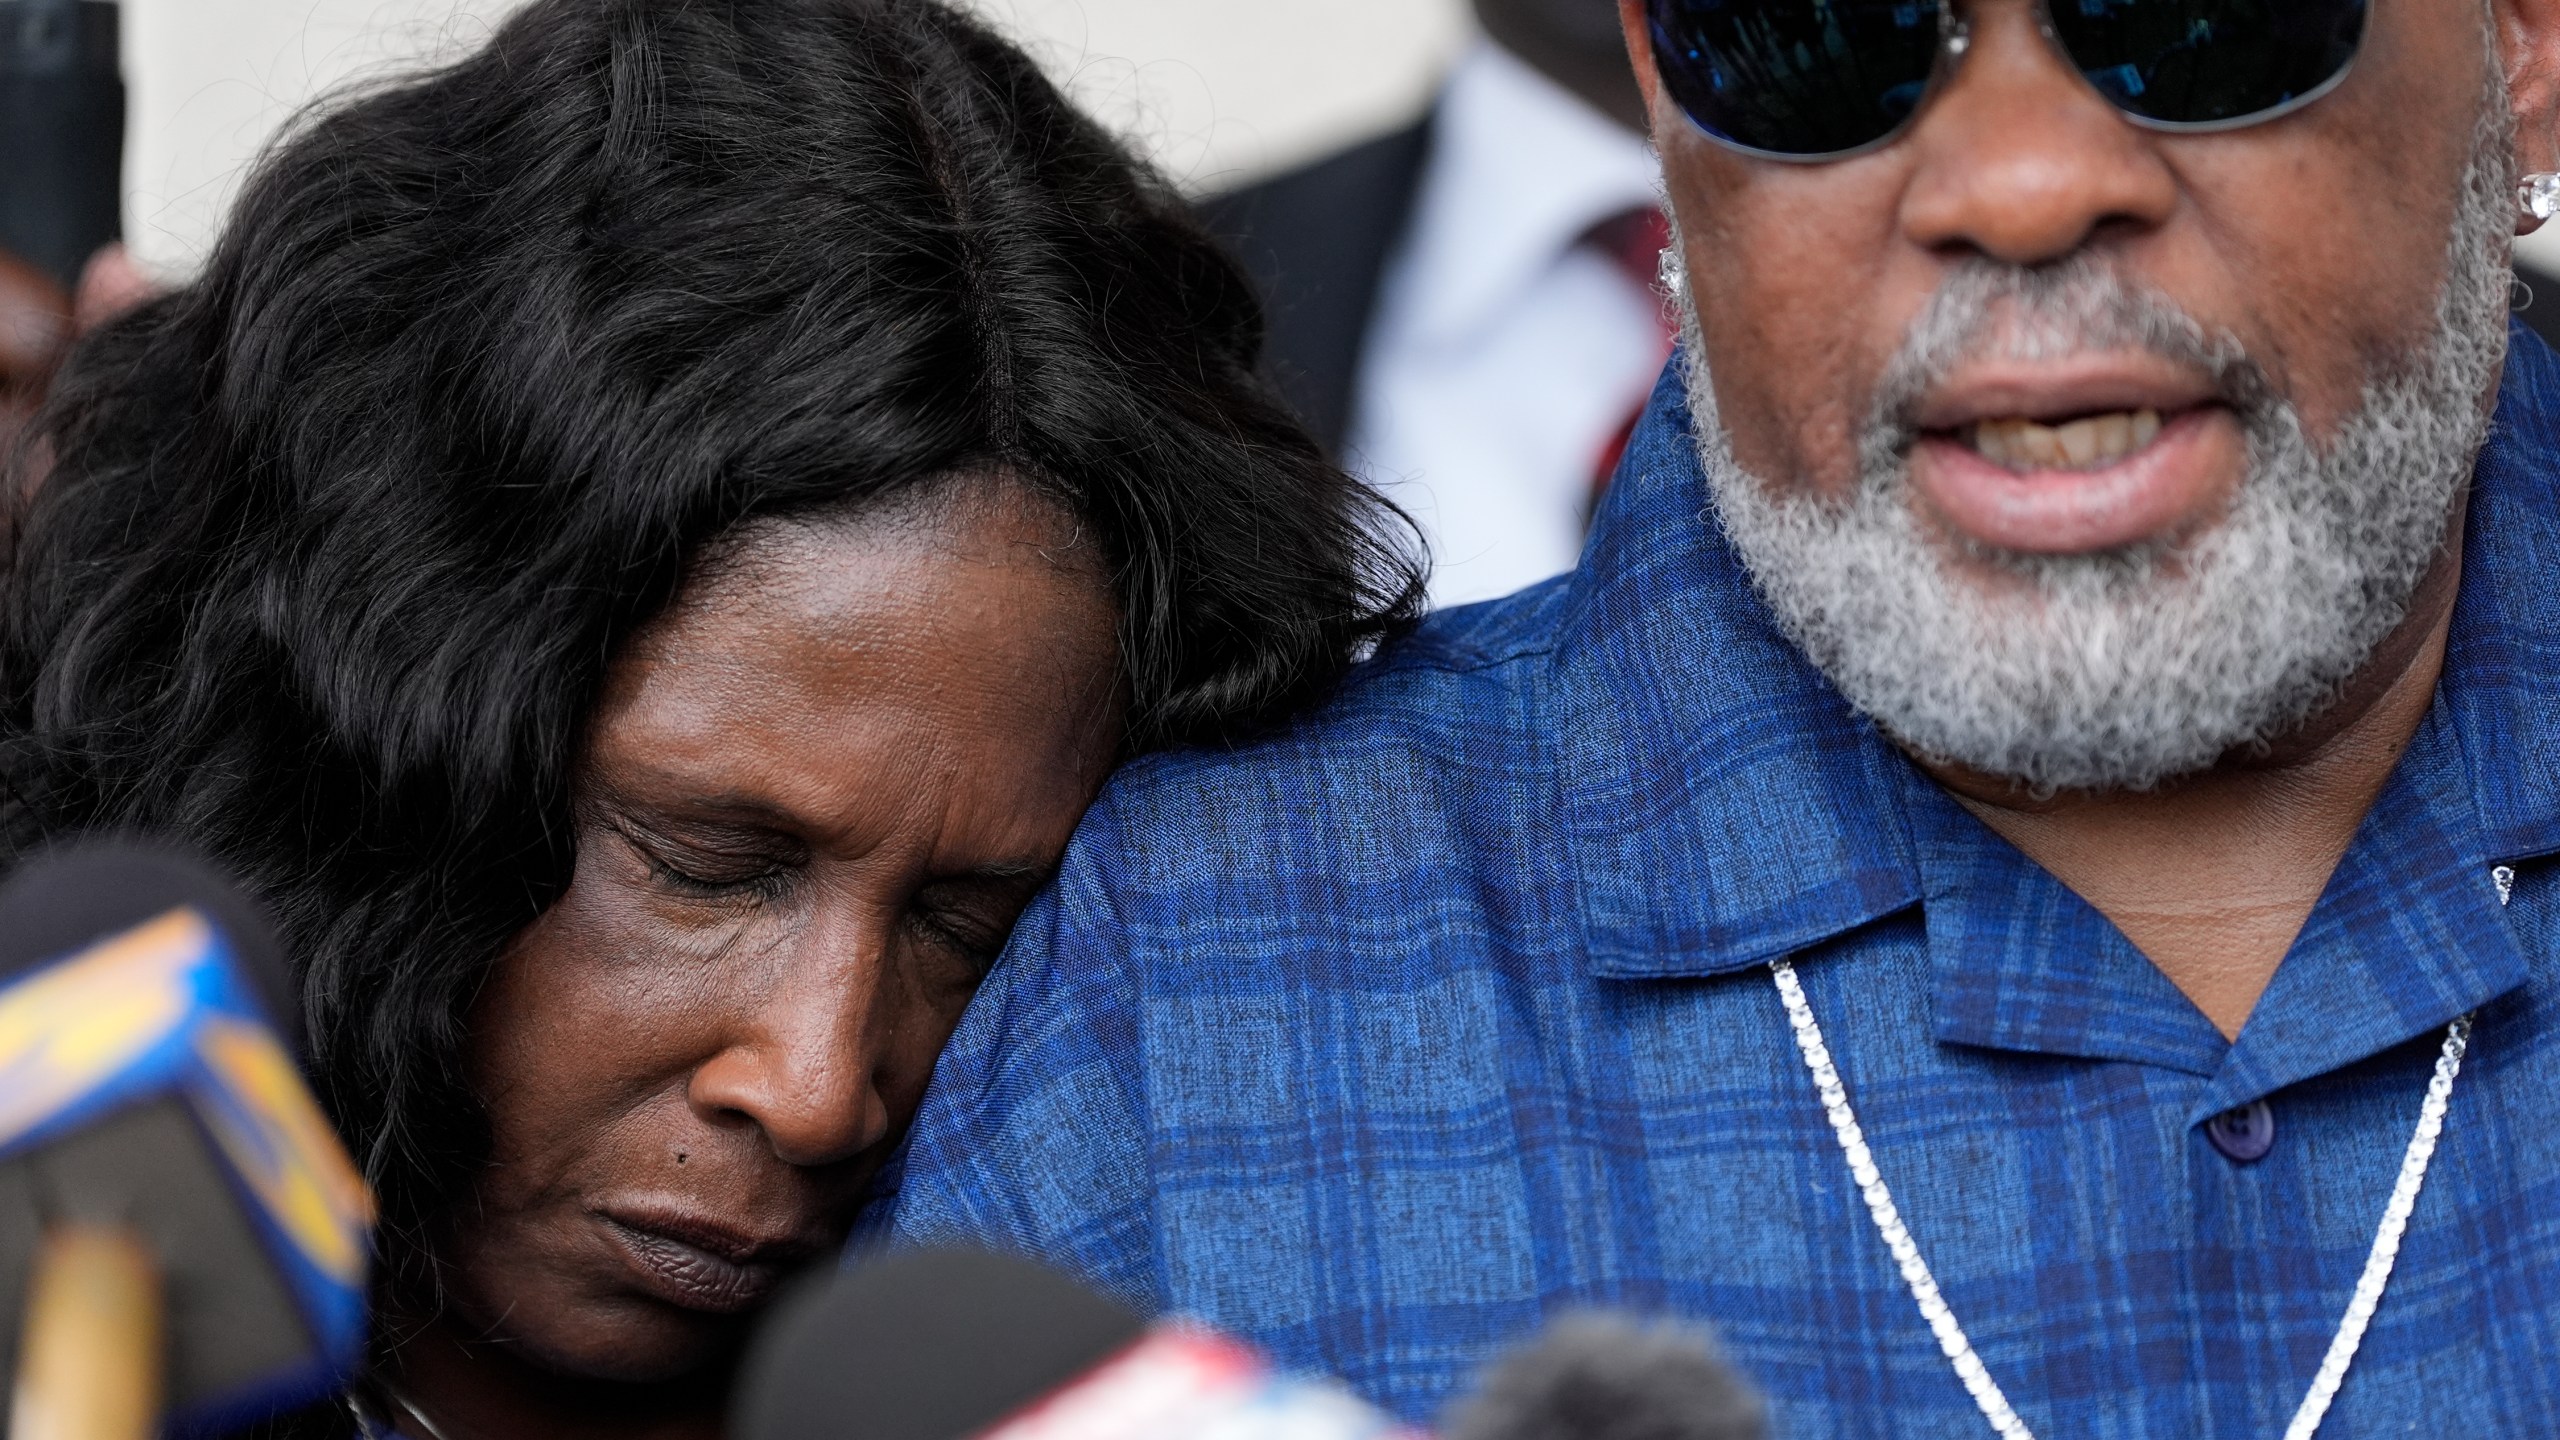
2018,159
801,1065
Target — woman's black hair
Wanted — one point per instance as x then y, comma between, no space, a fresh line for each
337,540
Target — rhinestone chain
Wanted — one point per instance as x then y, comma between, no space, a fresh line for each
1942,1321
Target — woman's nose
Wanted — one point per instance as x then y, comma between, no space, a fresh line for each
802,1069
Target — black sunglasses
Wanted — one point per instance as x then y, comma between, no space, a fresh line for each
1821,79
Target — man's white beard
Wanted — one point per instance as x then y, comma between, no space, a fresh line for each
2124,669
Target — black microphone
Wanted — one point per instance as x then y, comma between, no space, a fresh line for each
61,132
953,1344
191,1239
1599,1376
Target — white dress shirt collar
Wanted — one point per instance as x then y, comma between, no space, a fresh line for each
1520,169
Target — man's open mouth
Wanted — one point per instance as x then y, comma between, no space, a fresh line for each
2087,442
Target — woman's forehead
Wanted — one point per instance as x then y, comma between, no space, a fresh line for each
830,668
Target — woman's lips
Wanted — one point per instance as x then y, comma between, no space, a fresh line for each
699,1265
2161,490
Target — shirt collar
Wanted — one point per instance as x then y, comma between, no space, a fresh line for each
1723,805
2407,935
2502,664
1520,168
2019,961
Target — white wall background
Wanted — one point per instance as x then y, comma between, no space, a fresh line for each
1217,90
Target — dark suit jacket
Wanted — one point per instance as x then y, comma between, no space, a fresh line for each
2543,315
1317,240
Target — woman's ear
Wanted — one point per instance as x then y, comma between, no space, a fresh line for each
2529,50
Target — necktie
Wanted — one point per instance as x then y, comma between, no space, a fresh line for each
1632,240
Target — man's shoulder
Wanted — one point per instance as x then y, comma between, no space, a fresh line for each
1473,673
1499,643
1445,721
1210,894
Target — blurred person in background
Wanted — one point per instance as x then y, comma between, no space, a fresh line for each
38,322
1465,309
2538,300
639,548
35,327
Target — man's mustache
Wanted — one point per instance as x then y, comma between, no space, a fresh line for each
1990,312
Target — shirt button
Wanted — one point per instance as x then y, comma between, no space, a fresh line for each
2245,1134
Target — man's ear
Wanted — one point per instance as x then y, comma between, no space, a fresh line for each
2529,51
1640,50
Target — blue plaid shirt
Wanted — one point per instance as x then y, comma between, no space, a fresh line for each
1384,1039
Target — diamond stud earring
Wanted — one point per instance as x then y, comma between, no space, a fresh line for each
2539,195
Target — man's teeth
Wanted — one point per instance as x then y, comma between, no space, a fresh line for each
2083,444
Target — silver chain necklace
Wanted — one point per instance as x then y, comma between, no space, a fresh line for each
1942,1321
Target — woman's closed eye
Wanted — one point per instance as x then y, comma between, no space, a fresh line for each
742,867
972,916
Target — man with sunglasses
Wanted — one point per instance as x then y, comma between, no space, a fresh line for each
2016,880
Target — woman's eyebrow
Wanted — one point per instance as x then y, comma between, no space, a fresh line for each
748,815
1035,871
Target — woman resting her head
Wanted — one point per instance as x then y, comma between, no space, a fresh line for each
640,547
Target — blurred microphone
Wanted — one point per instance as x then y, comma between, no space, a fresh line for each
1597,1376
189,1237
61,133
952,1344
